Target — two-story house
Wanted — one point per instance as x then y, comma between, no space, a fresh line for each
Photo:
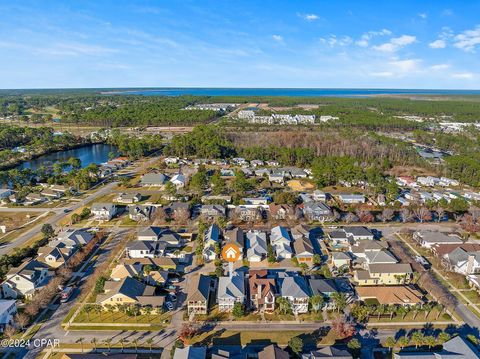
231,289
263,290
281,242
26,279
295,290
104,211
198,294
256,244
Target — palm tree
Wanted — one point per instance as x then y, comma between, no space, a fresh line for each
94,342
135,343
108,342
381,309
316,302
149,341
87,308
443,337
402,342
283,305
122,342
439,309
390,343
340,300
392,309
418,338
430,341
427,308
80,340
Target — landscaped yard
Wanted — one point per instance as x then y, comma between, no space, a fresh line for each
472,295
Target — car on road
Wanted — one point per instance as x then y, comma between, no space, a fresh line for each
66,294
67,210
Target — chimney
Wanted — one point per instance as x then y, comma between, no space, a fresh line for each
470,264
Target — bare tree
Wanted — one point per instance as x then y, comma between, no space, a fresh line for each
387,215
364,216
440,212
351,218
9,331
22,320
406,215
181,216
422,214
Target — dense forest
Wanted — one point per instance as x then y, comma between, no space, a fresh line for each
108,110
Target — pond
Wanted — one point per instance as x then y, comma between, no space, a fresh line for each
96,153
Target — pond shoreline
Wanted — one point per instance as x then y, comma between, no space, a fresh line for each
37,155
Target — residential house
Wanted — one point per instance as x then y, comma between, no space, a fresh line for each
328,352
153,179
178,180
281,242
164,263
198,294
5,193
54,257
50,194
275,176
162,235
210,241
72,238
348,198
295,290
474,281
327,287
248,213
397,295
256,243
178,208
235,236
456,347
319,196
347,235
231,290
262,172
190,352
104,211
140,213
304,251
34,198
262,291
273,352
145,249
279,211
25,280
150,233
359,249
428,239
8,309
129,291
122,270
384,274
462,261
317,211
128,197
340,259
213,211
257,201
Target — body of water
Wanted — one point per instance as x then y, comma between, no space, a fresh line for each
96,153
295,92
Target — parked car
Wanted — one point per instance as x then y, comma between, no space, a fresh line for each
172,297
169,305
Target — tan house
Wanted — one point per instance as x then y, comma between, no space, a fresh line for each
165,263
54,257
199,289
122,271
129,291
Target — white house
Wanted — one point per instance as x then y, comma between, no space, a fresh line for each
104,211
24,280
428,239
210,242
351,198
256,243
281,242
178,180
8,309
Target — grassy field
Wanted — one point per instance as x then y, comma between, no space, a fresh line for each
121,318
228,337
16,223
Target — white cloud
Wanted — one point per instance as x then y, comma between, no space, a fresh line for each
277,38
309,17
404,66
423,15
440,67
398,68
383,74
438,44
468,40
333,40
365,38
463,75
396,43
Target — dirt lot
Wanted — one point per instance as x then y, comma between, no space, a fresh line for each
15,220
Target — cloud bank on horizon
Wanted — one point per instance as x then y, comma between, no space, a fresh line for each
407,44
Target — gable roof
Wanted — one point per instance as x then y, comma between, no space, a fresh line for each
153,178
273,352
303,245
233,287
199,288
399,294
235,236
380,257
293,286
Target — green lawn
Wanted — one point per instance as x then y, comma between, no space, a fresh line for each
472,295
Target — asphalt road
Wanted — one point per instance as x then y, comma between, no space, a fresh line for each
59,214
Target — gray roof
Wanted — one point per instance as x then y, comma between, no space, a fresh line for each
103,207
358,231
231,288
79,236
199,288
279,232
380,257
460,255
149,231
455,348
153,179
213,233
235,236
256,243
127,286
328,352
293,286
438,237
327,286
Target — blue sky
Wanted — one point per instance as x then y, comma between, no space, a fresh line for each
395,44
